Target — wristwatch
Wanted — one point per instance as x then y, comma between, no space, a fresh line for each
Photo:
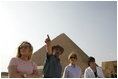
24,75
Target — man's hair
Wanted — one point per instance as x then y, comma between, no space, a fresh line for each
58,46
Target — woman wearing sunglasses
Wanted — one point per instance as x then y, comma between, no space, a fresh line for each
93,71
21,66
72,70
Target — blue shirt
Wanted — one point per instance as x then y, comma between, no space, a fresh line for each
52,67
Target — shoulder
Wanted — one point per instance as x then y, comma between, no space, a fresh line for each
14,59
49,55
67,67
87,69
86,72
98,68
79,67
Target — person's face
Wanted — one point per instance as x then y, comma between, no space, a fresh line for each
25,49
73,60
57,52
92,64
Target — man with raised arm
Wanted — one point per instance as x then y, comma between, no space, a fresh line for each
52,67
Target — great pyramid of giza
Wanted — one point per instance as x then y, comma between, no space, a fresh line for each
69,47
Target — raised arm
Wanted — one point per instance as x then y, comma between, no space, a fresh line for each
48,45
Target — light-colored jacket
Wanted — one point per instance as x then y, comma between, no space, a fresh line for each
90,74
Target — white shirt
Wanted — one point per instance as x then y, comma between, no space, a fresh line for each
90,74
72,72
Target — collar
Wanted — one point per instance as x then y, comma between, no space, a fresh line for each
72,65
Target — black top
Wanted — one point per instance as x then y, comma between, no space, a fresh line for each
52,67
95,73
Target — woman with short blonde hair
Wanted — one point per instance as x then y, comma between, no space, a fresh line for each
72,70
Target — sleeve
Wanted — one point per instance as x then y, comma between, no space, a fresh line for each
48,56
13,62
81,72
101,75
86,74
65,73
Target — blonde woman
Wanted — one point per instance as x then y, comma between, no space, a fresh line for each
21,66
72,70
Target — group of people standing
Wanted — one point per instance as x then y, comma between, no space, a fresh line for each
23,67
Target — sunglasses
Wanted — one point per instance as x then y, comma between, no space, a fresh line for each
73,57
25,47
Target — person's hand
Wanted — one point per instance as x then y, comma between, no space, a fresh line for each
47,41
48,45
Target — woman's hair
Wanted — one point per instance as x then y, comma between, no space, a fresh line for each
30,47
91,59
72,55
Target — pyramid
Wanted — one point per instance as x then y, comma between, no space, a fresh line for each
69,47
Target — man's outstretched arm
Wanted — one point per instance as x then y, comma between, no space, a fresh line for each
48,45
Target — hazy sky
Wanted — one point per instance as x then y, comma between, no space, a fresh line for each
91,25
